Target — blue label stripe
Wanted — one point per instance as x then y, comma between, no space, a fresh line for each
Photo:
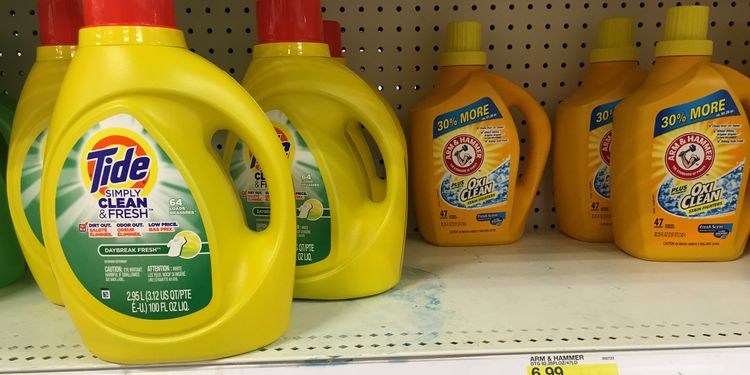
606,117
482,110
716,105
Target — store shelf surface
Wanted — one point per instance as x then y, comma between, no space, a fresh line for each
545,293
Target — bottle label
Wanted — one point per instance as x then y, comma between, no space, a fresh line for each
31,182
698,160
600,140
471,147
313,210
130,227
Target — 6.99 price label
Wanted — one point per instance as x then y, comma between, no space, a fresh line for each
582,369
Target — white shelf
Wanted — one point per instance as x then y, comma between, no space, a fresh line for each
543,294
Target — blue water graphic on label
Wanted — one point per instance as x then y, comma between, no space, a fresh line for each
495,218
702,199
720,231
477,192
603,115
601,181
481,110
716,105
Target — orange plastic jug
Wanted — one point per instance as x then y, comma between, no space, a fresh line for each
680,144
583,134
465,150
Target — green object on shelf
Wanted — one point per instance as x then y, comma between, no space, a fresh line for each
12,264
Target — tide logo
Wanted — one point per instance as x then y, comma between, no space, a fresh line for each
118,159
286,144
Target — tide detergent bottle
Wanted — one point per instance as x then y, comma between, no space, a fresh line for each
12,265
59,21
583,134
465,150
680,145
348,244
145,234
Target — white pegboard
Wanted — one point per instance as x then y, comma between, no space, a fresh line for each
395,45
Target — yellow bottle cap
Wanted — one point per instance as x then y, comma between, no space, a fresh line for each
464,44
685,32
615,41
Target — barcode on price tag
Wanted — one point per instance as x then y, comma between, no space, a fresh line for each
594,369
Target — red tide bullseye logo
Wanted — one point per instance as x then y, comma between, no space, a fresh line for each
286,144
690,156
463,155
604,145
118,159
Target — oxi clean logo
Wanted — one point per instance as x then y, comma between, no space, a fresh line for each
119,169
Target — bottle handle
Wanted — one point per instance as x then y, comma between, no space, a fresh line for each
271,156
365,159
386,131
539,145
741,86
368,110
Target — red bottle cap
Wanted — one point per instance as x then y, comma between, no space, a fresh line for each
282,21
332,34
155,13
59,21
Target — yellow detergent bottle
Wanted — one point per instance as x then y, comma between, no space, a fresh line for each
348,244
145,234
332,36
583,134
680,144
59,21
12,265
465,150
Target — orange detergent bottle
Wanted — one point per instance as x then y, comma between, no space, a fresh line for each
583,134
465,150
680,144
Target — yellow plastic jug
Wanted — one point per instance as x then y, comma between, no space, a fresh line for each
348,244
465,150
12,265
679,152
59,21
144,231
583,134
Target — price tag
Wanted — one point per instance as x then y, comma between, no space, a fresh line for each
571,364
590,369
